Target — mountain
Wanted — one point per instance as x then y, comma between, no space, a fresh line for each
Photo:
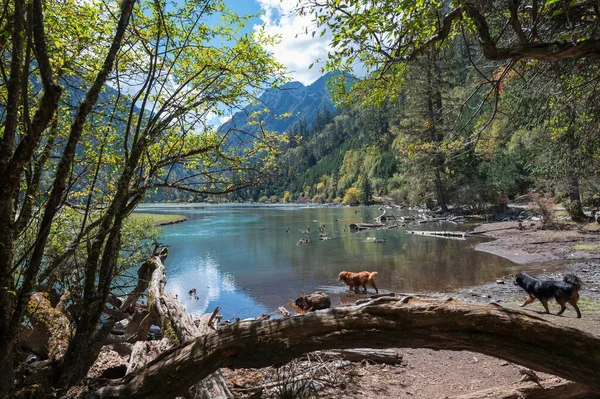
302,102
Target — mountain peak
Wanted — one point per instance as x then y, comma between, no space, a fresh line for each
294,98
291,85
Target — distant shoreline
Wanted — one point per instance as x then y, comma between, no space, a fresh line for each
200,205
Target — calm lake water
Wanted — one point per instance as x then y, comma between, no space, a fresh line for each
240,257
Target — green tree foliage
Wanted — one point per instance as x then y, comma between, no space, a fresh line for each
103,104
465,129
365,190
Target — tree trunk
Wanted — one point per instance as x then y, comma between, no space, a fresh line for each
549,388
439,188
575,207
434,114
515,336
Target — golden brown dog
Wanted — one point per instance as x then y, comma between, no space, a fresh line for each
357,280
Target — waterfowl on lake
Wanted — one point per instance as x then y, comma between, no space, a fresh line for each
303,241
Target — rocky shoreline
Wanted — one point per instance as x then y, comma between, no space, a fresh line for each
570,249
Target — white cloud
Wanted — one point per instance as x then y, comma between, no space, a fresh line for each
223,119
296,49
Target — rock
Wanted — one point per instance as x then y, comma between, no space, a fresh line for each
499,281
316,301
108,365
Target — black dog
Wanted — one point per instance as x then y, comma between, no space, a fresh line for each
566,291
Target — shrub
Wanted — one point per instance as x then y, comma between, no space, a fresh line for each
544,205
351,197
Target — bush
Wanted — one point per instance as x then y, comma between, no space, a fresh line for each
351,197
399,196
544,205
319,198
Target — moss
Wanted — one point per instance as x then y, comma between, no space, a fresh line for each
43,316
169,333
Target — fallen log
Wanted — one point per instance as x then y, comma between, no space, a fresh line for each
385,356
549,388
516,336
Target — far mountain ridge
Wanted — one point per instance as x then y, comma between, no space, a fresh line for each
294,98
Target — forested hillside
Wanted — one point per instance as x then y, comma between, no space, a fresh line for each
445,137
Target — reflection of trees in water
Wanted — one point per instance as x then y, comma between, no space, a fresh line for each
430,263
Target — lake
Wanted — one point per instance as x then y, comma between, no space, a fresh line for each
241,258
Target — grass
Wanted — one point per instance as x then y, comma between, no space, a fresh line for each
586,247
158,218
587,305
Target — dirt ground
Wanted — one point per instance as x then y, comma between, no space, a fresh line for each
426,373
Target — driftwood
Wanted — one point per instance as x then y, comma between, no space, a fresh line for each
549,388
459,234
315,301
284,312
365,226
144,274
516,336
144,352
386,356
178,326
